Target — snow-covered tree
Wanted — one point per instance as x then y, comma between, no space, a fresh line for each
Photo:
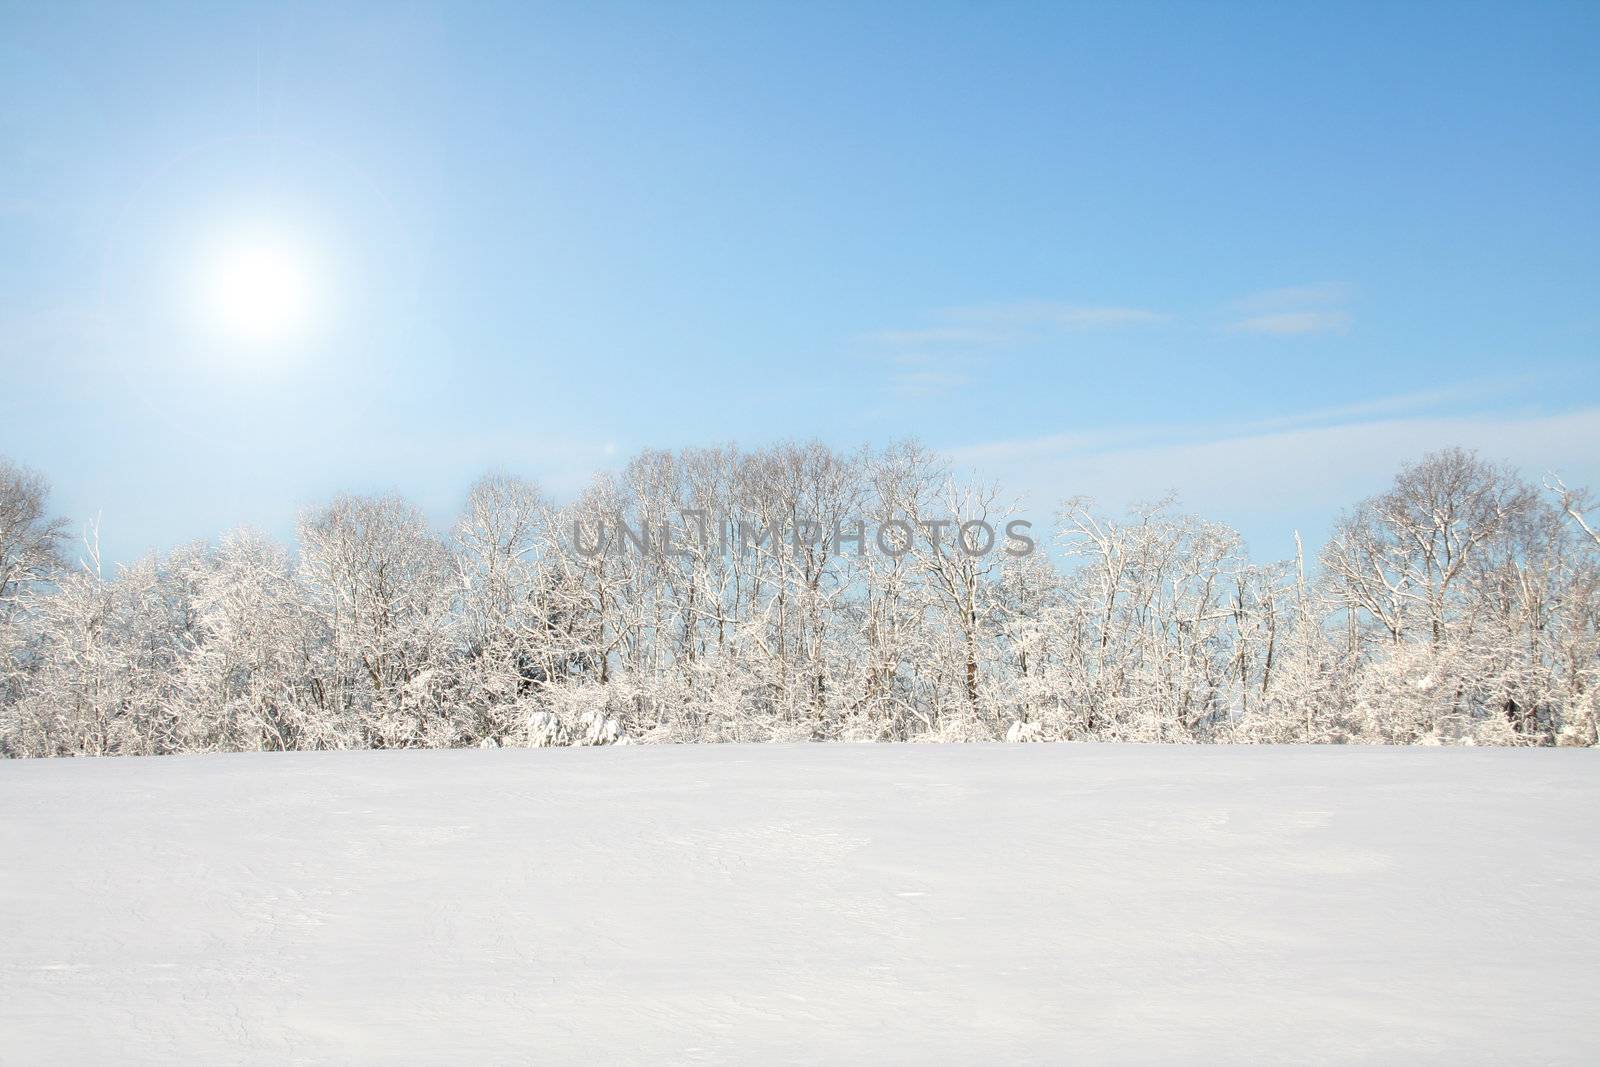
795,592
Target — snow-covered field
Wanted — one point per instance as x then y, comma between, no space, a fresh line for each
823,903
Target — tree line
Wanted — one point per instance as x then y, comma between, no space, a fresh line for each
1459,606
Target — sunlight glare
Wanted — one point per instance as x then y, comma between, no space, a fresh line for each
259,291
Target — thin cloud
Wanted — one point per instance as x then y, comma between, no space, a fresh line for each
1295,323
938,335
1025,315
1398,404
1293,311
921,384
1294,297
1428,403
1232,471
1010,323
933,358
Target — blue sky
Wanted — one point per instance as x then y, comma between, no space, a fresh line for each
1257,253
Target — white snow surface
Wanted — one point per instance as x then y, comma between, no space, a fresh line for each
803,904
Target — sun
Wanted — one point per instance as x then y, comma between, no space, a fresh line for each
259,290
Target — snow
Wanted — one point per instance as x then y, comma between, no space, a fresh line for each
744,904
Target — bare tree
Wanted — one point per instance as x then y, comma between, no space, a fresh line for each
30,541
798,593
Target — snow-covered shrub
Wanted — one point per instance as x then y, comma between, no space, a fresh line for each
1019,732
545,730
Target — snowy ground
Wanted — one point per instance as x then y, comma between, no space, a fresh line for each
905,904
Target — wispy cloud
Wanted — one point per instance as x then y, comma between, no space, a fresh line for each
1024,316
1310,464
920,384
938,355
941,352
1294,311
1424,403
1295,296
1295,323
1011,322
1397,404
1323,467
938,335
